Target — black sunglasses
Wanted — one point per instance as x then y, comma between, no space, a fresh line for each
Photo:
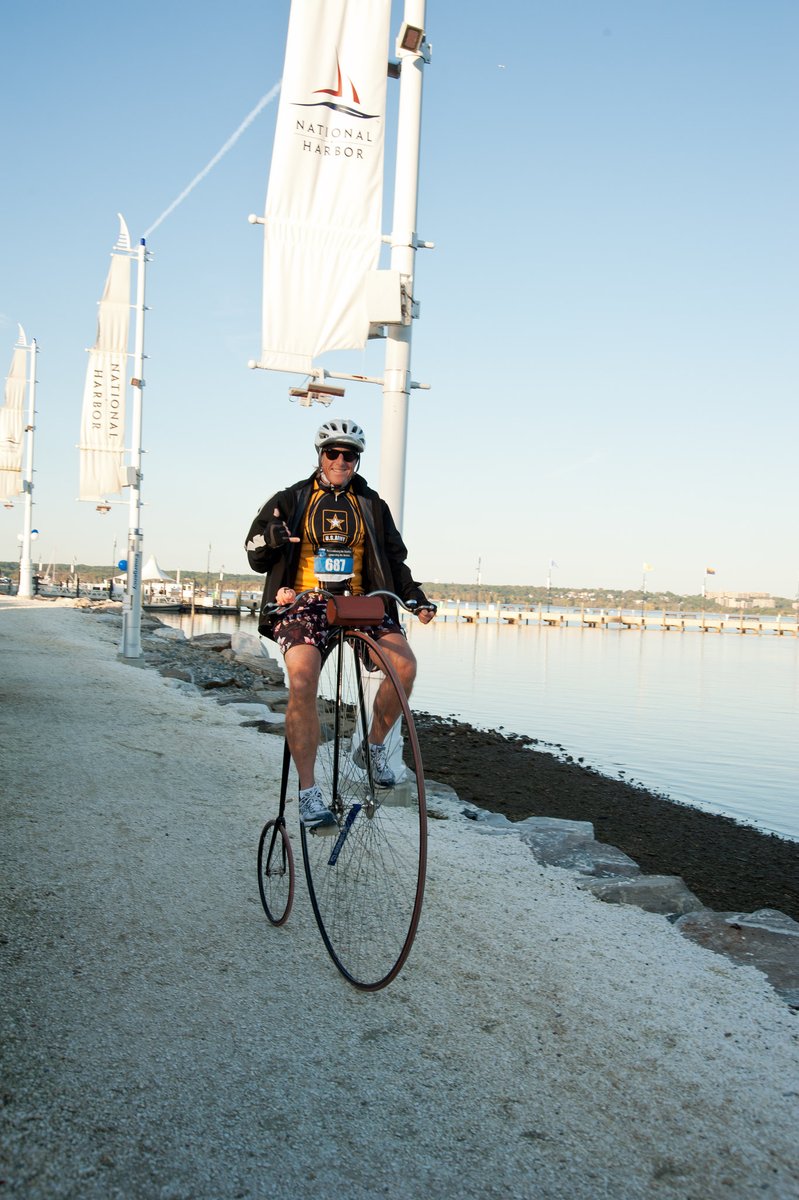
333,453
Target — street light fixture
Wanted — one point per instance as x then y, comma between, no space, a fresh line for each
411,38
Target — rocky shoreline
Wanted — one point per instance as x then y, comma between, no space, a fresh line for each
730,887
727,864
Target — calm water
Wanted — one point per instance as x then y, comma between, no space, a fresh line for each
709,719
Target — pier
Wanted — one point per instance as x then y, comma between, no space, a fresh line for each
601,618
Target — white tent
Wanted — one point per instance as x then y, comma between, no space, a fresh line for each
152,573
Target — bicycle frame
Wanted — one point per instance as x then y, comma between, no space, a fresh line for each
367,889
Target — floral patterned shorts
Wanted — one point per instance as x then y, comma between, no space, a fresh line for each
306,625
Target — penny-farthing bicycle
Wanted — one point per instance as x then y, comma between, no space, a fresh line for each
367,883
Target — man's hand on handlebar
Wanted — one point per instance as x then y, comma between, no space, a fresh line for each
286,596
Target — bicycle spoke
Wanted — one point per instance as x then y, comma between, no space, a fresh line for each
367,887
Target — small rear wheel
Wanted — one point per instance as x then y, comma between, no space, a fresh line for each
276,871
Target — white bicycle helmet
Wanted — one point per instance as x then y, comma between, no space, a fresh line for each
340,433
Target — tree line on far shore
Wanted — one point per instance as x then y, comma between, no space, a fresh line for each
523,595
533,596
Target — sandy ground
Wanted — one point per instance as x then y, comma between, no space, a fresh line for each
161,1040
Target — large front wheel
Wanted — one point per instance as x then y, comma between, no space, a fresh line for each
366,884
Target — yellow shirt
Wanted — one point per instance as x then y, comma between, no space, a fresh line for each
332,521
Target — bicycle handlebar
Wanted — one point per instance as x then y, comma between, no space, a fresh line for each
411,606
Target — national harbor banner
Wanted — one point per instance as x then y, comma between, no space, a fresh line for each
12,426
324,200
102,435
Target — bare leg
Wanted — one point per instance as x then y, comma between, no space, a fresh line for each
303,664
386,706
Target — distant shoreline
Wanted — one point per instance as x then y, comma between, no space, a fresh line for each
526,595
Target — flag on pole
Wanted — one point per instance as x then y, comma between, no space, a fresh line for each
710,570
648,567
12,426
322,226
102,434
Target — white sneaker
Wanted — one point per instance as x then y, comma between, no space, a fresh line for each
382,775
314,813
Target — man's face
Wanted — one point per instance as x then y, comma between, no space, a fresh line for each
335,465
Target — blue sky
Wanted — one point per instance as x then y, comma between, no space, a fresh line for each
608,322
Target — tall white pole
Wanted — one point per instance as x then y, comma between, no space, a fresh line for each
131,608
397,375
25,566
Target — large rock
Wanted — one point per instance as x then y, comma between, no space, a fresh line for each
260,664
167,633
441,792
572,845
665,894
442,800
182,673
255,712
270,723
766,939
212,641
247,643
547,834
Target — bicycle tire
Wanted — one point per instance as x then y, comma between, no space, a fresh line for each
366,885
276,871
276,864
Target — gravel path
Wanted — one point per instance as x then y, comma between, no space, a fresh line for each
161,1040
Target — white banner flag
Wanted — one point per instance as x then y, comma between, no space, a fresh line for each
324,200
102,434
12,427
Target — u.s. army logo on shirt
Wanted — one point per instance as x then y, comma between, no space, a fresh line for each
335,527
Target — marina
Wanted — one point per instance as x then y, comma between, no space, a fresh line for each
601,618
706,720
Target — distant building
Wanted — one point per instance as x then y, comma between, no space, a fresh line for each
742,599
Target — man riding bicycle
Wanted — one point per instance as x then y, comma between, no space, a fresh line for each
334,509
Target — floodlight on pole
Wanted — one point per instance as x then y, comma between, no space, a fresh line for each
320,392
411,38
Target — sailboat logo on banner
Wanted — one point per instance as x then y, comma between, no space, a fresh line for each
337,94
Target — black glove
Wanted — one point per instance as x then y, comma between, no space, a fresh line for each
277,532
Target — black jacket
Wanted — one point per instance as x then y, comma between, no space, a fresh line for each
384,566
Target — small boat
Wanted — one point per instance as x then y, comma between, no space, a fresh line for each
162,605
